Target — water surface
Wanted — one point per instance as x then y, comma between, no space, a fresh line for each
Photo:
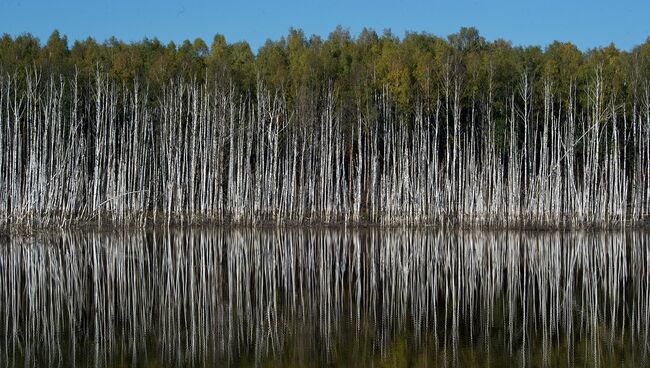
332,296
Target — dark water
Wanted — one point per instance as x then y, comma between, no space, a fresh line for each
341,297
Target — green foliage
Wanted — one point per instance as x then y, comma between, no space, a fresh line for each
54,55
272,64
415,69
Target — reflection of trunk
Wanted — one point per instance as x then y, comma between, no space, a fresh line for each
208,294
205,153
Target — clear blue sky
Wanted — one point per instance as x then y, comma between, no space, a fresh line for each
587,24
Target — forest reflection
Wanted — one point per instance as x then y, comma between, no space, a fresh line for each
339,296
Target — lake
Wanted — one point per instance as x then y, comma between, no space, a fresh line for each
325,296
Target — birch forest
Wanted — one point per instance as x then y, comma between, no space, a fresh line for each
367,129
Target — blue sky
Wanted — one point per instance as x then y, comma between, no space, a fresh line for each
587,24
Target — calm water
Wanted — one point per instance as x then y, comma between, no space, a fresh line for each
342,297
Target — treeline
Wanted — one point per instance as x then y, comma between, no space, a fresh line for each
418,130
413,68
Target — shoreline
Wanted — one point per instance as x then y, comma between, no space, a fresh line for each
7,231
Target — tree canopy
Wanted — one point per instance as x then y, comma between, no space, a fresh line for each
416,68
